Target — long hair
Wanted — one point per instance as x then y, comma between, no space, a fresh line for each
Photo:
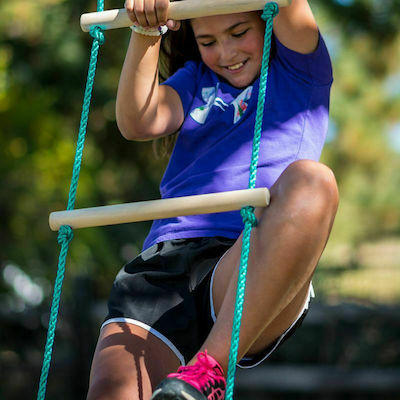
177,47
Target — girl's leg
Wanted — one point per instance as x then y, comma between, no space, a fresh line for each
128,363
285,249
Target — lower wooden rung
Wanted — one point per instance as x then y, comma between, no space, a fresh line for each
159,209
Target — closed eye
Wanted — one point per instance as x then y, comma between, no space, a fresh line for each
239,34
207,44
236,35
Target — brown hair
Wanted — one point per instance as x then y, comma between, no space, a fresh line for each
177,47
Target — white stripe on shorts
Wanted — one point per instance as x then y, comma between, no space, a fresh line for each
214,317
149,329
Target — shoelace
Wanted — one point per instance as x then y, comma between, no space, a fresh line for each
198,373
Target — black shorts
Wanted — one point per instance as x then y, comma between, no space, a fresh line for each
167,291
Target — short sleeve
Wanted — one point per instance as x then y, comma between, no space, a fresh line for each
184,81
315,67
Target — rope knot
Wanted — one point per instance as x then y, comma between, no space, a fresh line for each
96,32
65,234
271,10
247,214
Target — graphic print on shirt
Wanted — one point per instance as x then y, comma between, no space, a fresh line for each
241,103
209,95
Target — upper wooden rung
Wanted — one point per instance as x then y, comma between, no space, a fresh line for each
178,10
158,209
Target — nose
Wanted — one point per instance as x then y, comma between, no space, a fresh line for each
228,51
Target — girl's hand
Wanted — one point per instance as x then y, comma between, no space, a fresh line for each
173,25
150,13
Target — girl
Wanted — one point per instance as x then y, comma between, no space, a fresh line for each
174,303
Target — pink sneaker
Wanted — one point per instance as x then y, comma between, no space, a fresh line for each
202,381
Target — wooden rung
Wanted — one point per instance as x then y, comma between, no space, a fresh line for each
158,209
178,10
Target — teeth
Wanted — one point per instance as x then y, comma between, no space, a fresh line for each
236,66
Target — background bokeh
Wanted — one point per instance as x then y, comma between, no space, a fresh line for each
349,346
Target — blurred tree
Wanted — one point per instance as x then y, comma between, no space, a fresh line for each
365,110
43,65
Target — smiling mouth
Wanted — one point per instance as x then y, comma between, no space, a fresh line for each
235,67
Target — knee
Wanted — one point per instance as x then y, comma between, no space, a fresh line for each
309,186
102,389
97,391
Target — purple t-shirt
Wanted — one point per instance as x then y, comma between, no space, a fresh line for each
213,149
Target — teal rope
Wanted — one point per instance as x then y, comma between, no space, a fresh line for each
65,233
249,219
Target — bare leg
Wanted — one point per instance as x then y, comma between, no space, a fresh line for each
285,249
129,362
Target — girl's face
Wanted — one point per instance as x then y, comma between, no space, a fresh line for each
231,45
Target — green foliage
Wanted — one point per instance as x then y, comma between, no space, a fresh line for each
43,64
364,109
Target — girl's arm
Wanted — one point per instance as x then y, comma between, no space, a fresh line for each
295,27
144,109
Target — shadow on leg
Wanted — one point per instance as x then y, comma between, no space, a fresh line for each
129,362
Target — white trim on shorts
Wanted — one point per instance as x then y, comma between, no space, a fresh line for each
149,329
305,307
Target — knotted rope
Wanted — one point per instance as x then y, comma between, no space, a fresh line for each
249,219
65,233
